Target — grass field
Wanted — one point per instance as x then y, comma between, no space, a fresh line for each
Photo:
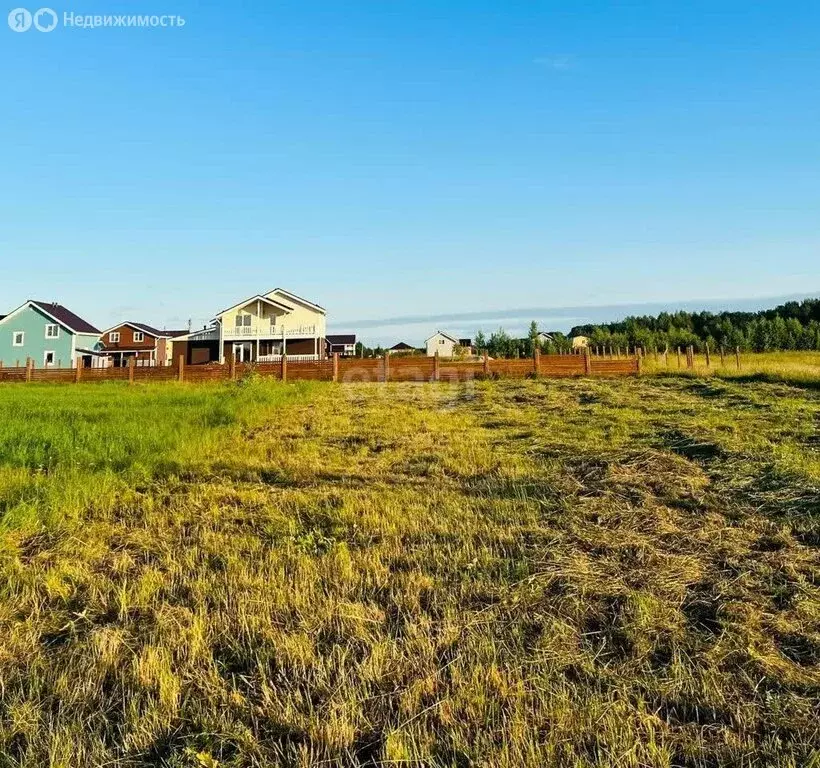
504,573
801,368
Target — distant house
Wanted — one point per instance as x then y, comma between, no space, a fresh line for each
344,344
259,329
147,345
441,344
579,342
400,348
50,335
544,338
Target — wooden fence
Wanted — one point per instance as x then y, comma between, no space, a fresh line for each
345,370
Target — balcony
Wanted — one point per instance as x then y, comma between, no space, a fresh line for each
268,332
291,358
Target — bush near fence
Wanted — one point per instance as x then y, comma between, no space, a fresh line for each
345,370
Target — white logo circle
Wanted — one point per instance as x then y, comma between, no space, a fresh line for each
45,20
19,20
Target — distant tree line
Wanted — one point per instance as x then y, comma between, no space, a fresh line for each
501,344
791,326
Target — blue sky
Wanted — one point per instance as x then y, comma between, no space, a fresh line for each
412,159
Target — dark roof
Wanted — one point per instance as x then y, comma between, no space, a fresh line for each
66,317
145,328
2,316
150,330
341,338
465,342
400,347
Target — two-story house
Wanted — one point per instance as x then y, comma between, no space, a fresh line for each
441,344
145,344
259,329
50,335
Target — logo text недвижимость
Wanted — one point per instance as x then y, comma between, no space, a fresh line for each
46,20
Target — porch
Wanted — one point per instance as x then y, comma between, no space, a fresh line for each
271,350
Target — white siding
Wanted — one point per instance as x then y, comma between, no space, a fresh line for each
441,344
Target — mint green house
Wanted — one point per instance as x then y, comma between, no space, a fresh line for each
50,336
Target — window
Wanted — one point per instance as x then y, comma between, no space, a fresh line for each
243,320
138,337
52,331
48,359
19,339
114,337
441,341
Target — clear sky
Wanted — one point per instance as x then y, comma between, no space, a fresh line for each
394,158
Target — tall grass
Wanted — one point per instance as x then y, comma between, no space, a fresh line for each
65,447
799,368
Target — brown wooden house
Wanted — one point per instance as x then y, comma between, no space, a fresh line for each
148,346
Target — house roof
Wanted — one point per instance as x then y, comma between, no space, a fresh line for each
401,347
258,297
341,338
294,297
208,330
441,333
150,330
65,317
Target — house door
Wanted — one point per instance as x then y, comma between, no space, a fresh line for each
243,353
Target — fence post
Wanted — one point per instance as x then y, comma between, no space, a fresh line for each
708,358
181,368
336,366
722,356
677,349
232,366
587,362
737,357
386,367
284,366
536,361
29,368
436,371
132,364
78,371
486,363
638,365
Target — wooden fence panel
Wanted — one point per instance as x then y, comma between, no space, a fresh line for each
359,369
307,370
511,368
460,371
268,370
12,374
412,368
207,373
53,375
105,374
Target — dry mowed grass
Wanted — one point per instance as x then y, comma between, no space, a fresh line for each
531,573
